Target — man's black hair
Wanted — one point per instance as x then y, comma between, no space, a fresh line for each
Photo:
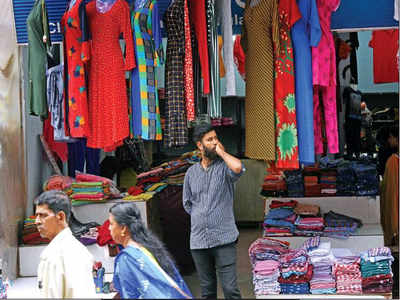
56,201
201,130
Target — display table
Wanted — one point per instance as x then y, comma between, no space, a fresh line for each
334,296
29,256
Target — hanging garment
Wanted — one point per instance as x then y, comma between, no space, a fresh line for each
305,33
58,148
78,154
259,104
198,17
38,46
214,97
323,55
285,102
55,102
324,79
224,17
145,118
239,57
176,132
390,200
328,94
76,53
385,44
108,102
188,68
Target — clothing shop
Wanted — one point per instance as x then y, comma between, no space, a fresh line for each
99,99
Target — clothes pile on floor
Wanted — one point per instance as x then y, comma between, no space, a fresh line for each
376,270
264,255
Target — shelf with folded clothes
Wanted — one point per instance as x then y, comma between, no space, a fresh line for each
345,220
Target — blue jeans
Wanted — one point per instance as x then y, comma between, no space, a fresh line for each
219,260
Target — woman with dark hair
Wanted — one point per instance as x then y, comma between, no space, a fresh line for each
144,268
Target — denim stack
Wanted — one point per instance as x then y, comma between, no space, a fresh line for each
294,183
345,180
280,219
367,181
340,226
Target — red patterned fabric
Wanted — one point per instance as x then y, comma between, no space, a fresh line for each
239,57
284,95
188,69
77,53
298,279
104,236
108,101
57,147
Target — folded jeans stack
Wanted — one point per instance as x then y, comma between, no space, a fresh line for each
376,271
367,181
294,182
346,180
280,220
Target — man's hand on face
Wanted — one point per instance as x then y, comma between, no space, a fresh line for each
219,149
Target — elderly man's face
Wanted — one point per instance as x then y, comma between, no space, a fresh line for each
47,222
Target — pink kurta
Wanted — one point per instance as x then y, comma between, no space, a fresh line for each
323,56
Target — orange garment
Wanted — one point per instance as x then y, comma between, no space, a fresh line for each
221,61
390,200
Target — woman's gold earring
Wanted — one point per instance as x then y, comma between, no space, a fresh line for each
122,234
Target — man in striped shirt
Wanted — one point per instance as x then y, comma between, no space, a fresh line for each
208,198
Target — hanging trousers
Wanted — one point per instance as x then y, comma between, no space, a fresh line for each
78,153
330,114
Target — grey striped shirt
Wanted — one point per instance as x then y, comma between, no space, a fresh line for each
208,198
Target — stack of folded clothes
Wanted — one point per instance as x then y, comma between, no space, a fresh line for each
328,181
296,272
309,226
308,222
280,218
30,234
367,181
340,226
311,186
274,184
264,255
376,271
322,260
346,180
294,183
224,121
348,275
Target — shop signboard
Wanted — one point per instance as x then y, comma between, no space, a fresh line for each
351,14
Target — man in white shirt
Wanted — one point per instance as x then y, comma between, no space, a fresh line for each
65,267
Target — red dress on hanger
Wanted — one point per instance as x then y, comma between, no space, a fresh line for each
77,53
108,101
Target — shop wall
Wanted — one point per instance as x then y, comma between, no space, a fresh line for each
12,187
365,68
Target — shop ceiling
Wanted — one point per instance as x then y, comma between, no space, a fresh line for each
352,15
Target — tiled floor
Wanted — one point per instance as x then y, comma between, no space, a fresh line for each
26,287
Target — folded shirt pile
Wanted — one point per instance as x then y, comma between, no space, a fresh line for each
346,180
296,272
295,183
312,188
280,218
309,226
264,255
30,234
376,271
322,260
348,276
328,182
339,225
